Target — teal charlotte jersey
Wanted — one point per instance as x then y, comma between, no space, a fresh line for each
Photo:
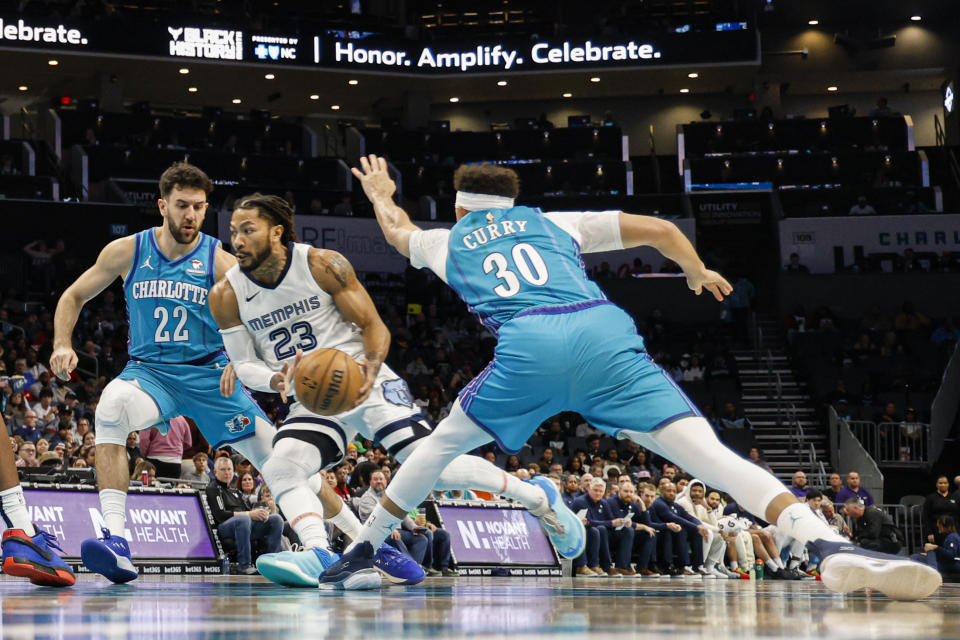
506,261
176,353
170,322
562,346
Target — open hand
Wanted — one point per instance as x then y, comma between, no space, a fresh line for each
711,281
374,177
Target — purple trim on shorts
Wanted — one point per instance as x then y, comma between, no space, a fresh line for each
490,432
566,308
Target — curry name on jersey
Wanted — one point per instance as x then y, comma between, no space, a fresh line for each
170,321
295,313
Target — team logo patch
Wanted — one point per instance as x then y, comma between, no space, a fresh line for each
237,423
396,392
196,266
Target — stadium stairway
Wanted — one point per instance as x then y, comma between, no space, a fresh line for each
787,428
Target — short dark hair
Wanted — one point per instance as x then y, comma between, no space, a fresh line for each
813,494
272,208
853,501
488,179
184,175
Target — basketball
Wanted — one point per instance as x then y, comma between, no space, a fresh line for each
327,381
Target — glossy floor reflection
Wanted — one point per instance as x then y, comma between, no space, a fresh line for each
234,607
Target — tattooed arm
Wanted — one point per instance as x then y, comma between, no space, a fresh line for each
335,275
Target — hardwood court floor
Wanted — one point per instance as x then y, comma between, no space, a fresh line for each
240,607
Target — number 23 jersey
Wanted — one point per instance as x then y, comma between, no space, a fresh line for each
296,313
506,261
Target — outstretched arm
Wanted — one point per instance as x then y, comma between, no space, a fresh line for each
666,237
336,276
380,187
114,261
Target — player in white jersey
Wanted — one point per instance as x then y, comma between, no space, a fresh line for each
284,298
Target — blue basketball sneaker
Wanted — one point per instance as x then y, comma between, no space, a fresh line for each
845,567
354,570
31,557
300,568
561,524
109,556
399,568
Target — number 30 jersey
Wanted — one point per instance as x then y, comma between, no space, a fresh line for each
503,262
170,320
296,313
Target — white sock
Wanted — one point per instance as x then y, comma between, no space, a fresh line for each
305,512
794,563
800,523
734,565
14,510
473,472
346,521
377,527
772,564
113,506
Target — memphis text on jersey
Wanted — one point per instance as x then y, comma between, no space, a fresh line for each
278,316
170,289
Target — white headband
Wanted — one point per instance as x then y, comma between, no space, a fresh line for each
477,201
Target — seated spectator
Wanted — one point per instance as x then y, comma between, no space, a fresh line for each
946,333
626,526
939,503
593,448
646,556
799,487
909,319
754,457
437,560
249,491
585,481
733,419
546,460
27,455
836,484
133,450
49,459
512,463
342,489
30,429
235,520
834,519
944,557
794,265
408,538
596,517
854,490
144,467
862,208
198,476
872,528
612,460
678,543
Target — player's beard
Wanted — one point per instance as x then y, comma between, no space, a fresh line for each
256,259
180,235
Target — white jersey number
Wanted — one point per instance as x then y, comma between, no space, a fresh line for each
528,262
179,334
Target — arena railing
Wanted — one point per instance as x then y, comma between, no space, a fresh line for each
894,443
910,522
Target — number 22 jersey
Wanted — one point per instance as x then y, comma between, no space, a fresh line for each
295,313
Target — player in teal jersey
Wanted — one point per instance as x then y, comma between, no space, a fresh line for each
176,356
563,346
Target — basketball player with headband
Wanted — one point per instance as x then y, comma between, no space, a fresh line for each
285,298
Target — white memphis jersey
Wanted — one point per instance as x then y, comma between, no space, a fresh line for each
296,313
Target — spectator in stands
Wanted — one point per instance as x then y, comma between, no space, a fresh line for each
16,410
794,265
799,487
571,489
574,465
197,476
343,475
598,521
89,455
235,520
512,464
437,560
546,459
862,208
940,503
732,418
872,528
406,539
166,451
627,526
754,456
945,556
133,450
854,490
909,319
882,109
836,484
666,510
28,455
593,448
585,481
144,467
693,371
833,518
46,410
946,334
30,429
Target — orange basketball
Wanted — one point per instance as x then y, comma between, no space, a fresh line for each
327,381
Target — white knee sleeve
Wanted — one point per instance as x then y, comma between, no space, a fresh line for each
692,444
123,407
259,446
290,465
